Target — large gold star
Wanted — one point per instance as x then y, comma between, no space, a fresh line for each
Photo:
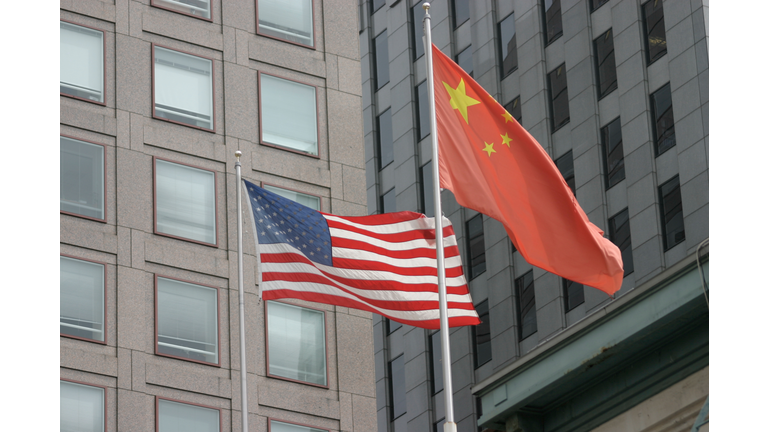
489,148
459,98
505,139
507,116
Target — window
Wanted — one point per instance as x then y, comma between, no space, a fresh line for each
173,416
288,20
672,227
82,299
655,35
307,200
195,8
187,320
185,202
427,189
553,21
387,202
436,350
81,65
296,343
606,64
460,12
565,165
513,108
82,407
526,305
282,426
377,4
288,114
397,401
594,4
508,45
422,102
613,153
558,97
381,60
618,232
384,135
183,88
664,119
573,293
464,60
481,335
81,178
391,325
475,246
417,18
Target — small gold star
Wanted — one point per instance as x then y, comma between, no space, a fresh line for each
507,116
505,139
489,148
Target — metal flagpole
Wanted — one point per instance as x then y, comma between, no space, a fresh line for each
243,375
449,425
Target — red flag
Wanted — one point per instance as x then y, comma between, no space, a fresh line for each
494,166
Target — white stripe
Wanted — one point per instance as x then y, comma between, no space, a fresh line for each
358,254
423,315
380,275
406,245
382,295
392,228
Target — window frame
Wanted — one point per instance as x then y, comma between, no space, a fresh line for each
261,115
218,321
605,151
270,419
266,348
567,296
314,29
215,202
545,26
381,200
551,101
379,146
416,41
320,198
665,245
104,288
572,166
391,387
103,388
500,47
469,272
157,410
389,328
419,103
103,65
598,75
475,360
646,36
104,184
519,305
457,24
592,7
612,237
655,119
376,84
456,60
153,3
213,89
373,11
433,362
427,190
520,107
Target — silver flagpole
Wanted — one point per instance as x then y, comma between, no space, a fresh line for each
449,425
243,374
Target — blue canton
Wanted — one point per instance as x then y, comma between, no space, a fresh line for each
280,220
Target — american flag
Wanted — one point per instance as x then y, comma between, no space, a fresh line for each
383,264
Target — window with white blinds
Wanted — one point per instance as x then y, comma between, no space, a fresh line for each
181,417
186,201
81,407
290,20
183,88
81,299
81,178
196,8
278,426
310,201
81,64
288,114
296,343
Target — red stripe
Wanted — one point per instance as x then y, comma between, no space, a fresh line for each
352,264
338,242
433,324
382,219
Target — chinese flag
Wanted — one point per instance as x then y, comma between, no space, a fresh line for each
494,166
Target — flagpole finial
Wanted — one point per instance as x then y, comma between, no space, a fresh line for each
425,6
238,154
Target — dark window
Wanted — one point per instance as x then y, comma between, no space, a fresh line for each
384,131
438,425
422,100
387,202
391,325
475,246
565,165
381,60
655,35
464,60
553,21
558,97
508,45
460,12
574,294
664,119
427,189
526,305
613,153
514,249
377,4
672,226
436,347
513,108
417,17
606,64
481,335
594,4
618,232
397,387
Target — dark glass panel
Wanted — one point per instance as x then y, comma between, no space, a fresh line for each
508,45
387,204
606,64
397,401
558,97
377,4
427,189
422,100
618,232
664,119
464,60
392,325
381,56
475,246
417,17
513,108
574,294
460,12
553,21
613,153
481,334
565,165
673,229
655,35
436,347
386,146
526,305
594,4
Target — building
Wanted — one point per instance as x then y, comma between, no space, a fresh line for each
616,91
156,97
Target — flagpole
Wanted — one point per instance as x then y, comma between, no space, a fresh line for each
243,374
449,425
